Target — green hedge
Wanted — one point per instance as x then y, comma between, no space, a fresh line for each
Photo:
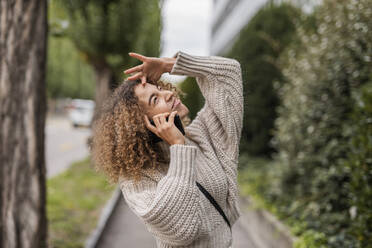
320,181
258,48
359,162
323,132
193,97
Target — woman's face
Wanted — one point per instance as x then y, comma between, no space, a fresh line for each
156,100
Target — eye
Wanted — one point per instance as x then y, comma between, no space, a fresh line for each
155,98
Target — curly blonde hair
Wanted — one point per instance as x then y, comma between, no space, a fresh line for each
120,144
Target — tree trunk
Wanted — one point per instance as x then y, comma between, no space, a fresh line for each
23,41
105,84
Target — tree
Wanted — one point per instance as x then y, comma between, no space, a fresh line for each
23,41
68,75
106,31
258,48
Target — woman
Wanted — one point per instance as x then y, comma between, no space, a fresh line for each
159,181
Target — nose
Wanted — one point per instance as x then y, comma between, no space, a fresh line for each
169,97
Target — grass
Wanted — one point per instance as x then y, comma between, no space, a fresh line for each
75,199
254,180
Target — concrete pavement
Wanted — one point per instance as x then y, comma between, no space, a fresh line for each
125,229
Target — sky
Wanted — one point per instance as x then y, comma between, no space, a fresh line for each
186,27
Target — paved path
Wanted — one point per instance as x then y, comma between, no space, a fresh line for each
125,229
63,144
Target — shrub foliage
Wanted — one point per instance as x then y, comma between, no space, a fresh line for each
323,132
258,48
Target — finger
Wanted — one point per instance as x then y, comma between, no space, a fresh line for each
148,124
161,114
162,119
147,121
171,117
143,80
165,115
138,56
156,121
135,76
134,69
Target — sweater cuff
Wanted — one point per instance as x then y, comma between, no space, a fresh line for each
182,162
190,65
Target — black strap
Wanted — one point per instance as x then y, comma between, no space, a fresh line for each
214,203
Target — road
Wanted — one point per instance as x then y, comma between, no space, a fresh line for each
63,144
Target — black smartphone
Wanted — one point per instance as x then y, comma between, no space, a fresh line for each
177,122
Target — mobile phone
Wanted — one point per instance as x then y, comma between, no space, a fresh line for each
177,122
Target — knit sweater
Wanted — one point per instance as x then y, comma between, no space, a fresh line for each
168,201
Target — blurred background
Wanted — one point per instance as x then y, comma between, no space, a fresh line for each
305,166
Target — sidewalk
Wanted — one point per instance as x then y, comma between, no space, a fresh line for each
124,229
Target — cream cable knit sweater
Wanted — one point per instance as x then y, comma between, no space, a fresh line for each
168,201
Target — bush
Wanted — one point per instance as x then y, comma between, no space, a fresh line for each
360,164
258,48
193,97
315,130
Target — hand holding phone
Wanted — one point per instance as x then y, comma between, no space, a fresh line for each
167,127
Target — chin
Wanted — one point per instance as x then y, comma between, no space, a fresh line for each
183,111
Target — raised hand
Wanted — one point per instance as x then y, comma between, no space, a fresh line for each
151,69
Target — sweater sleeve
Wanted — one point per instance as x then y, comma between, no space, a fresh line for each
220,82
171,208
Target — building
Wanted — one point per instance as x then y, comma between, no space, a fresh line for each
229,17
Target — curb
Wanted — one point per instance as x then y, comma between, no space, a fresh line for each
106,213
264,228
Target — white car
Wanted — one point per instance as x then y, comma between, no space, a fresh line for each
81,112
